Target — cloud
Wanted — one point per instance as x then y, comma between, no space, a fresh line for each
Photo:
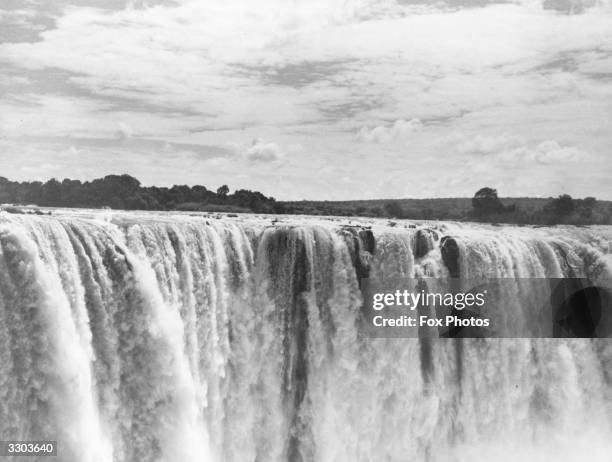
483,144
399,131
186,77
569,6
504,148
548,152
260,151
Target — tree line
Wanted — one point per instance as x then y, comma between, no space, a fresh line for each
126,192
486,206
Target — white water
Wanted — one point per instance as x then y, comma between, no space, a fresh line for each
143,337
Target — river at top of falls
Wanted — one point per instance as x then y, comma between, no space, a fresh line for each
138,336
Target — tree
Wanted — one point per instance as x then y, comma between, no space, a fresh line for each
563,205
589,203
223,191
52,193
485,202
585,207
199,193
427,213
394,209
180,193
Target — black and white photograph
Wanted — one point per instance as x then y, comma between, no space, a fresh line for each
306,230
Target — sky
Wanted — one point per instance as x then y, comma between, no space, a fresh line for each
312,99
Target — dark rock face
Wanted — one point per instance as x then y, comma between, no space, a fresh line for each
362,245
368,240
424,242
450,255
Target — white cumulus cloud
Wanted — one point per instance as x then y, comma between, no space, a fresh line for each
262,151
547,152
399,131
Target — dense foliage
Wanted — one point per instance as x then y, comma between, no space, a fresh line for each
485,202
562,210
485,206
126,192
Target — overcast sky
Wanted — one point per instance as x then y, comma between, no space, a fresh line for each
316,99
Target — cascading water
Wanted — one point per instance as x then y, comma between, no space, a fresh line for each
140,337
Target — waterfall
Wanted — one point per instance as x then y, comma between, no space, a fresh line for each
157,337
